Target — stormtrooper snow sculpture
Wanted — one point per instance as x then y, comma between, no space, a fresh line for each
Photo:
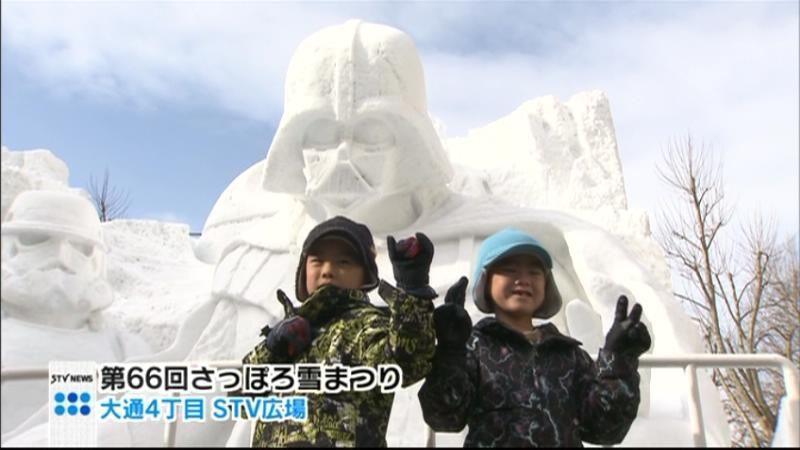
355,139
53,291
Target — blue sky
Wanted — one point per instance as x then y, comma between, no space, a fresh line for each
176,99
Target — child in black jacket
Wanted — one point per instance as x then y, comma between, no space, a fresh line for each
521,385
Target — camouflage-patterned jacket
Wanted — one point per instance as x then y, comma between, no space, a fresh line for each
514,393
349,330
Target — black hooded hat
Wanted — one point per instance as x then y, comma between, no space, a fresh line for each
356,234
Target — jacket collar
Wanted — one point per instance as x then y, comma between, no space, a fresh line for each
329,302
549,333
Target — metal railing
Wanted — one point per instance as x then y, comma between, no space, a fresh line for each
689,362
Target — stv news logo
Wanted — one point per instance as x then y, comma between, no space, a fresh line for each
73,392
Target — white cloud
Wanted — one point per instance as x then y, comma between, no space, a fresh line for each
727,73
221,54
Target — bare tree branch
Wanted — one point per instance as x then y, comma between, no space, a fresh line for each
110,203
744,297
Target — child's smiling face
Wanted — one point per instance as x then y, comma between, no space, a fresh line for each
517,285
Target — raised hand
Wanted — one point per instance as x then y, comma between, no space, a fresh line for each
628,334
411,263
289,338
453,324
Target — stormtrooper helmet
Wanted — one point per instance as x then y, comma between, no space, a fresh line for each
53,258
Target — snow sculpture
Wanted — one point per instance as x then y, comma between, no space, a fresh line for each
54,289
30,170
356,139
546,154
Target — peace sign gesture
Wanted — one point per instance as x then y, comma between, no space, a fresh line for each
628,334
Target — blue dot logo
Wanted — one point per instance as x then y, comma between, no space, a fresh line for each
68,403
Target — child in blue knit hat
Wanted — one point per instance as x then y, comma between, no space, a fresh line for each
517,384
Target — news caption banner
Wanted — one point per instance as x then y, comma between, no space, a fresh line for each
83,393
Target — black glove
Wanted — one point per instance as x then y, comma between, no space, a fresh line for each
453,324
627,334
411,262
289,338
288,311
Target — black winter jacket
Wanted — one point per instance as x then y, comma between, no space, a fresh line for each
513,393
